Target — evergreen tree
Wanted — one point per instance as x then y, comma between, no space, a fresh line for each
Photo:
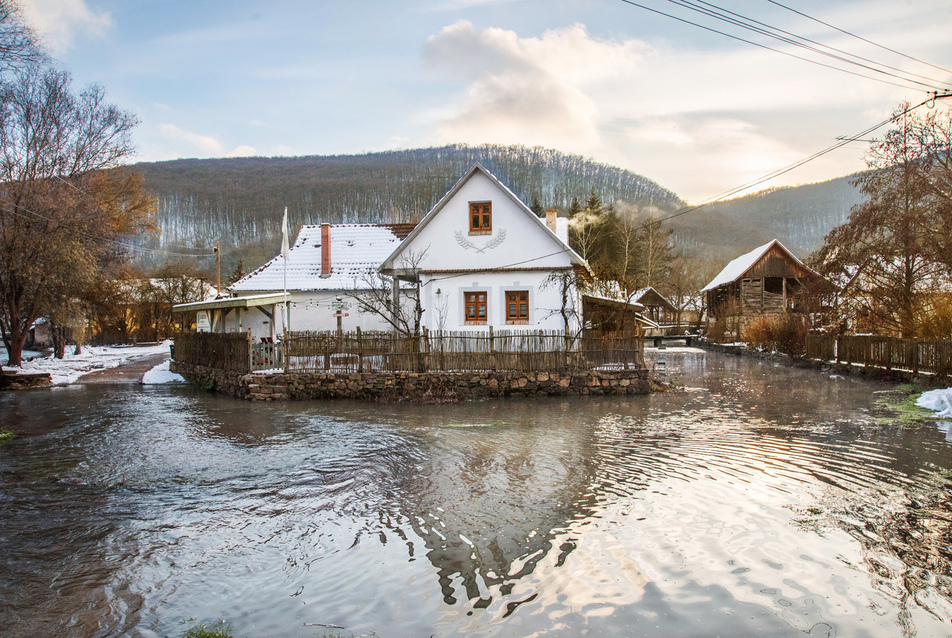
574,208
537,207
594,203
237,273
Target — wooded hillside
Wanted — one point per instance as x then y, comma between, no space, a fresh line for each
239,201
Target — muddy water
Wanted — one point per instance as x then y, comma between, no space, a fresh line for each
762,500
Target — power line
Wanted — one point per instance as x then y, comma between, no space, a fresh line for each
788,37
841,141
768,48
858,37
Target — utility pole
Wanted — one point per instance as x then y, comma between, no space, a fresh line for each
218,259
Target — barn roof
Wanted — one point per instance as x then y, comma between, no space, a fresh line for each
356,252
736,269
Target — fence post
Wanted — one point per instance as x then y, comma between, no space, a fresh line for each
360,351
250,354
492,350
425,350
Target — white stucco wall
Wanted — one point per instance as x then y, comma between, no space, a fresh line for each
518,254
313,310
517,238
448,307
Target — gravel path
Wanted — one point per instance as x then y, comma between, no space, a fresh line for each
130,372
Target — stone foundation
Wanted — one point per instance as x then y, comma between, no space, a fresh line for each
431,387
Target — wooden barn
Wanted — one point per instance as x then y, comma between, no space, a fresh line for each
768,280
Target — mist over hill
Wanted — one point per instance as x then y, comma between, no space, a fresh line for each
239,201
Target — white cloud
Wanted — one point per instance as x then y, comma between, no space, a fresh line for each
61,21
527,90
698,120
204,143
242,151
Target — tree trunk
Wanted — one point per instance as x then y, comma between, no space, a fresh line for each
59,340
15,347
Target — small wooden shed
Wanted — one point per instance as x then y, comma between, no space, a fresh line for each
768,280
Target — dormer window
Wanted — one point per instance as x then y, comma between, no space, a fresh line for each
480,218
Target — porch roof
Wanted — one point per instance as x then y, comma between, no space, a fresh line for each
232,302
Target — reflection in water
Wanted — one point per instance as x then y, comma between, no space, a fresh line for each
762,500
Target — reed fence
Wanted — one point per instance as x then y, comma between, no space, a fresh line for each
222,351
491,350
360,351
889,353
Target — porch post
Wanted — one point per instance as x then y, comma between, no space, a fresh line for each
395,293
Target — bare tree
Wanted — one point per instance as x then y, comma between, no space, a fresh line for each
569,283
886,258
19,45
382,294
66,210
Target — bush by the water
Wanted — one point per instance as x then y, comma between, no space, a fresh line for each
778,333
221,630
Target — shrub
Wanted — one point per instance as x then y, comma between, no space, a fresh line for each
201,631
785,333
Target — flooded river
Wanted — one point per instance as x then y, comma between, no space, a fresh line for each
762,500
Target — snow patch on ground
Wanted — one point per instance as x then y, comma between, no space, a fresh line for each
938,400
73,366
160,375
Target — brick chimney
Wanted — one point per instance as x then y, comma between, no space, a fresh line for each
550,216
325,250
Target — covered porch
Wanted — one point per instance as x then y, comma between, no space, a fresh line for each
229,314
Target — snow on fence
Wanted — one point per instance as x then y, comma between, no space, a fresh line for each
359,351
889,353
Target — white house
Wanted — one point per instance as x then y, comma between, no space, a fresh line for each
327,266
482,258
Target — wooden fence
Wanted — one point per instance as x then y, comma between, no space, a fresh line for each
513,350
361,351
889,353
223,351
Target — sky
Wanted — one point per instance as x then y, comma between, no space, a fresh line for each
698,112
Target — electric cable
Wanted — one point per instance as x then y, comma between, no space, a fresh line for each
787,37
768,48
858,37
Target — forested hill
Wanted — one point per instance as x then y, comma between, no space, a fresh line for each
799,216
240,201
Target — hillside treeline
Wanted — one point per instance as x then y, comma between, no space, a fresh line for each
799,216
239,201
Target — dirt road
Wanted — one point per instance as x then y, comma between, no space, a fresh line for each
130,372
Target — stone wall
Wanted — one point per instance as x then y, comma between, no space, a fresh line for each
212,379
432,387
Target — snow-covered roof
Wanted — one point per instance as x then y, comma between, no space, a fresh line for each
356,252
742,264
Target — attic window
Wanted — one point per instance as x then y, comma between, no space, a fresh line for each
480,218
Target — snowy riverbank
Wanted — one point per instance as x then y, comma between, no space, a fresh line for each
938,400
67,370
